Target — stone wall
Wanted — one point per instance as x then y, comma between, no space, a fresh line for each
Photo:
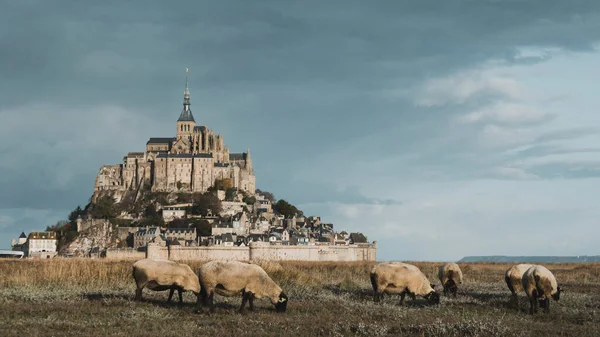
125,253
123,232
359,252
208,253
264,251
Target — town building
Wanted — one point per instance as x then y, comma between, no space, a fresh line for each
145,235
41,245
183,235
172,212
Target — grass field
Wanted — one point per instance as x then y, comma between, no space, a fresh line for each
70,297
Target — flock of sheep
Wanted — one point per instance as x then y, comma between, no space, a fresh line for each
234,278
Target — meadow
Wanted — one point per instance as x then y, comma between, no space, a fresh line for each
77,297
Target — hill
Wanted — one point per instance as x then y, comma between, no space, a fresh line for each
540,259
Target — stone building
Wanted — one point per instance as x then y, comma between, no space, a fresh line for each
41,245
145,235
191,161
19,244
183,235
171,212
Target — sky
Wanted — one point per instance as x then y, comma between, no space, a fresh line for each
438,129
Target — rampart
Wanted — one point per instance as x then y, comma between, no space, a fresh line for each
125,253
259,251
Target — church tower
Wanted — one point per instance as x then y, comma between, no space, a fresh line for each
186,122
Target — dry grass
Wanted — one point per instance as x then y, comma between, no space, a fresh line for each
71,297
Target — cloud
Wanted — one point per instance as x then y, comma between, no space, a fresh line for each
514,173
65,156
5,221
309,192
463,87
361,102
508,113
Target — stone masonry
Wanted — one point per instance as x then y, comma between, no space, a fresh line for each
189,162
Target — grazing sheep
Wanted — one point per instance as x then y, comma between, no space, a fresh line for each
159,275
540,284
513,276
451,276
401,278
234,278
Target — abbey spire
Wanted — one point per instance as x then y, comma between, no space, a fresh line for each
186,112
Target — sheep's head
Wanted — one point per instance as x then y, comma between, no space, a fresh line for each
556,295
281,304
451,285
192,283
433,297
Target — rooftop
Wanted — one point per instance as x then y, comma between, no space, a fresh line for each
160,140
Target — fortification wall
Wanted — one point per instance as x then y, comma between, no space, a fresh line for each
209,253
156,251
123,232
264,251
125,253
261,251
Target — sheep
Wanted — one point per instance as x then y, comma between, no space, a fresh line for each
234,278
540,284
401,278
450,276
159,275
513,276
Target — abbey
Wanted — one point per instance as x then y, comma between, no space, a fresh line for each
189,162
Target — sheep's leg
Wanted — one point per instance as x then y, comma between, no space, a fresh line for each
376,297
245,296
180,295
402,294
531,306
514,300
211,303
171,291
251,301
203,296
547,305
138,294
454,291
198,302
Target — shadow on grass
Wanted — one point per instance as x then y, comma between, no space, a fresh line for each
98,296
366,295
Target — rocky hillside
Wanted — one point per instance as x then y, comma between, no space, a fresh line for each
98,233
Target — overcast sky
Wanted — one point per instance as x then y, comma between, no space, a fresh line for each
438,128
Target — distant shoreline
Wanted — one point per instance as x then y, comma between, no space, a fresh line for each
541,259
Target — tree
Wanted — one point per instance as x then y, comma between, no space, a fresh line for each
203,227
285,208
178,223
61,225
223,184
77,212
249,200
205,202
184,197
230,194
150,211
104,208
268,195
